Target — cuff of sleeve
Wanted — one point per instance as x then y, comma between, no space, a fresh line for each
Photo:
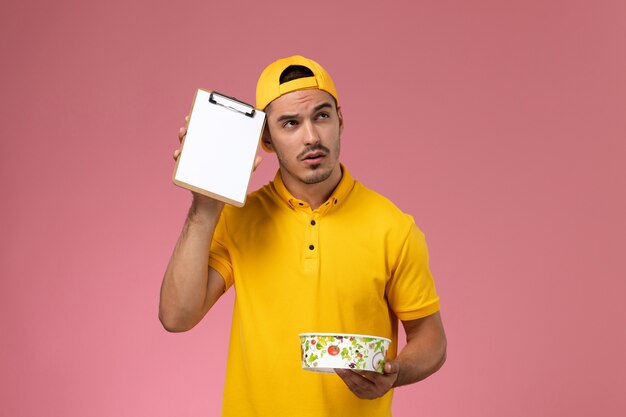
223,269
424,311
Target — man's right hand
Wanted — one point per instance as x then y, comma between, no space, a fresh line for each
182,132
201,202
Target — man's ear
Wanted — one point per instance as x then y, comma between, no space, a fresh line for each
340,120
266,140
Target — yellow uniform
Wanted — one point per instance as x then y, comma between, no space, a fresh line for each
354,265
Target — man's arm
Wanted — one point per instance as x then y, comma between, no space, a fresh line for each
190,287
425,351
423,355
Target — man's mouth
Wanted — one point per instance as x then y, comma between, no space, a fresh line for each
313,156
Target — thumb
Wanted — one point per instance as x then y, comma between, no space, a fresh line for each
392,367
257,162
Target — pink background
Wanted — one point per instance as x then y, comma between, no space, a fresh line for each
500,125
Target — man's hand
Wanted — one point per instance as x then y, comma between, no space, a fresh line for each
423,355
368,385
200,202
182,132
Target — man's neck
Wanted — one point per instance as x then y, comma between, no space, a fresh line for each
313,194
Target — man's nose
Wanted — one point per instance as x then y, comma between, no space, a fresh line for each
312,136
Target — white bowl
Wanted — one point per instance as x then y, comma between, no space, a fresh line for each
323,352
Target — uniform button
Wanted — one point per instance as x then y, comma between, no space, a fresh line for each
311,247
312,222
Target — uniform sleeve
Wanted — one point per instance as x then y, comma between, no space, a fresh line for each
411,290
219,257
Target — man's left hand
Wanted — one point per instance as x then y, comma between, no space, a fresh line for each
368,385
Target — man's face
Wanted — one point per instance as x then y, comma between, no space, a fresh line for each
304,131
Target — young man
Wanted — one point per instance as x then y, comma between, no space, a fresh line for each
312,251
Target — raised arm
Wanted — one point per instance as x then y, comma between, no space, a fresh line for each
190,287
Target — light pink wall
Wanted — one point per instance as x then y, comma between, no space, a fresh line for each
500,125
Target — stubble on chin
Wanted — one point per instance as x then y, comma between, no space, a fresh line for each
316,175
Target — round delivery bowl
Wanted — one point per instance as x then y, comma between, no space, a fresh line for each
323,352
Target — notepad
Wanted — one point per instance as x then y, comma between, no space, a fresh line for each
218,152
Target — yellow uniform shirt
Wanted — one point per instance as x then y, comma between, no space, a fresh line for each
354,265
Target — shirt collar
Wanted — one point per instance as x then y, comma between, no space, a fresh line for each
337,197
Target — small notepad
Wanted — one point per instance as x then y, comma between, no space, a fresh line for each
218,152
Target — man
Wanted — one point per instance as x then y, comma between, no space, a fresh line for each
312,251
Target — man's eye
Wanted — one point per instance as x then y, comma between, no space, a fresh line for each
323,116
290,123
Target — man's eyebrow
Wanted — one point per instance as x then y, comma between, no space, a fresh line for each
322,106
317,108
287,117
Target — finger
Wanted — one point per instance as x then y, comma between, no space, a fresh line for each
391,367
353,378
365,379
176,154
257,162
361,387
367,375
183,130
